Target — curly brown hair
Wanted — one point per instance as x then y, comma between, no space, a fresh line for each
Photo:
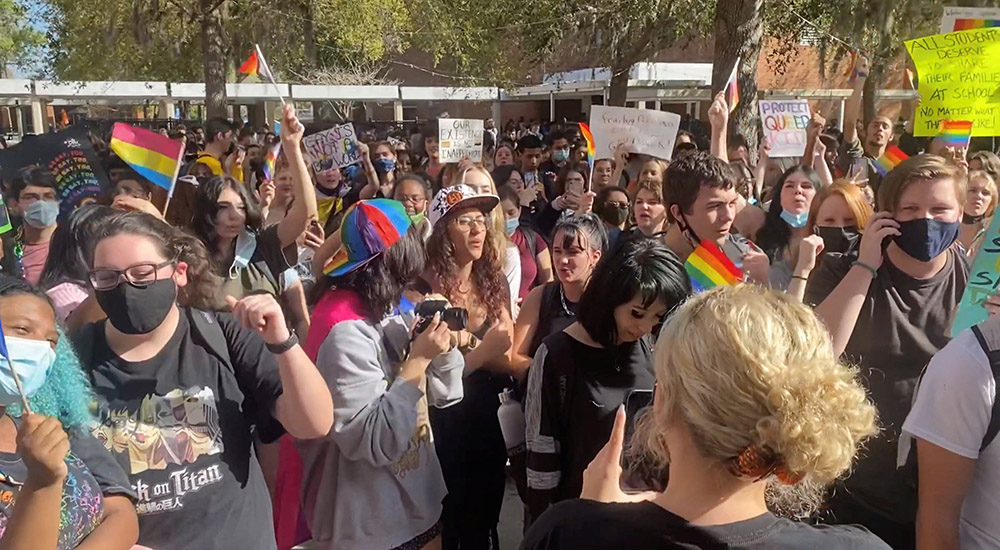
488,281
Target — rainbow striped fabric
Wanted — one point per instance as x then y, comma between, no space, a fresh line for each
256,65
889,160
156,158
591,151
270,160
970,24
709,267
956,133
733,87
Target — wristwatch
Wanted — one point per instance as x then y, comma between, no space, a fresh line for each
278,349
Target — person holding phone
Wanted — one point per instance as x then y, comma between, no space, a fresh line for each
754,416
378,465
582,374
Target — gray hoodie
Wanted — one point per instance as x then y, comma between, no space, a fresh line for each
374,482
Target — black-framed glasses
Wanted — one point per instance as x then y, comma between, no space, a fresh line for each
138,275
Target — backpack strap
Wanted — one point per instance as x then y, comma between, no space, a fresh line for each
208,333
989,340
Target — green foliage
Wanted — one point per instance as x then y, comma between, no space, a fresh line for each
19,41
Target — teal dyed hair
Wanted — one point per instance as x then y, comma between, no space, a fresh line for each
66,393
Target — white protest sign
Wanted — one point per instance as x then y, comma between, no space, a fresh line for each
785,122
459,138
957,18
641,131
333,148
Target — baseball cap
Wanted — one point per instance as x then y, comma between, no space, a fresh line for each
457,197
369,228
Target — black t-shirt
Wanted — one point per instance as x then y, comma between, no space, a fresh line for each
180,425
92,475
589,525
902,324
574,391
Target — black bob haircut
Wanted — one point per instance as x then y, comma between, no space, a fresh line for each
640,266
588,226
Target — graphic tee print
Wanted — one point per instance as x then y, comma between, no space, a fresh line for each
91,473
181,425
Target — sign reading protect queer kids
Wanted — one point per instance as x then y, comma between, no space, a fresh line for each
984,279
459,138
785,122
641,131
959,80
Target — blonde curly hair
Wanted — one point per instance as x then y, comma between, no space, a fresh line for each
743,367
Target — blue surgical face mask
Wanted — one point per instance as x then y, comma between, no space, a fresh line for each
795,220
385,165
246,245
512,225
32,360
41,214
560,155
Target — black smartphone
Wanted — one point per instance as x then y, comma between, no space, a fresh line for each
639,472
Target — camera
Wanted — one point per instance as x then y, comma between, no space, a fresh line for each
455,317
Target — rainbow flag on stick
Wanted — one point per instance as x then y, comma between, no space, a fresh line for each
156,158
591,151
256,65
956,133
270,160
889,160
709,267
733,87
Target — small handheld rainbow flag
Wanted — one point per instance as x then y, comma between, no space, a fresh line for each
956,133
156,158
256,65
889,160
733,87
709,267
591,151
270,160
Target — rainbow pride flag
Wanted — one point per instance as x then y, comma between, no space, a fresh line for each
591,151
889,160
733,87
970,24
256,65
956,133
709,267
270,160
156,158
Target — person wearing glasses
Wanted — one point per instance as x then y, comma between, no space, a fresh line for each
464,264
182,393
414,191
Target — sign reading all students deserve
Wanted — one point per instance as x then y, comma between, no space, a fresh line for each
984,279
459,138
785,122
959,80
641,131
333,148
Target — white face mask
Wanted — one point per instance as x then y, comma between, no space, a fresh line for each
246,244
31,360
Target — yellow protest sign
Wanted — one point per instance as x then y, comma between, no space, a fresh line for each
959,80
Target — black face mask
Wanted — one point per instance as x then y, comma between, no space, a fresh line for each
615,215
926,239
838,239
134,310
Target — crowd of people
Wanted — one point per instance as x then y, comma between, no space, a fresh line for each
316,359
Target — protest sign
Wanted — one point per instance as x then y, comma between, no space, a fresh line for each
333,148
785,122
641,131
984,279
957,18
959,80
70,157
459,138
